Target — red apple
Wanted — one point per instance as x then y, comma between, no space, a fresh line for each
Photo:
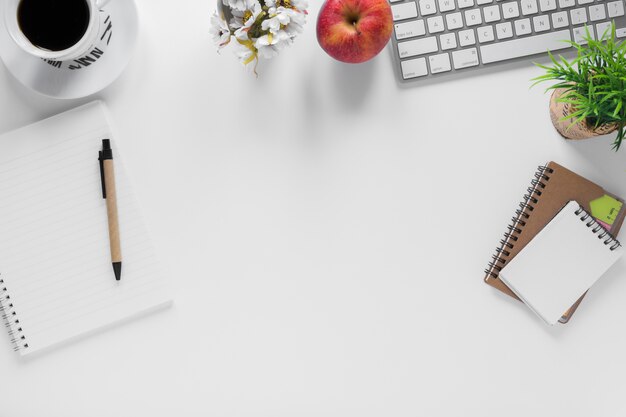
354,31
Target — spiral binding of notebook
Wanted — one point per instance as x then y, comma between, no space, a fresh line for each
11,319
542,176
597,228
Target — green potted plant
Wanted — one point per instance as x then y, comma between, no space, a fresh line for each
589,96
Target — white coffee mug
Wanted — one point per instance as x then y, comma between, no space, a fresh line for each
92,38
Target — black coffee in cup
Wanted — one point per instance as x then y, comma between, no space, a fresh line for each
54,25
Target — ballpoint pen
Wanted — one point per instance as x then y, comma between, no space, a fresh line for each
109,192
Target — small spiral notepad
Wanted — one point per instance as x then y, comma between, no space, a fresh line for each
56,279
561,263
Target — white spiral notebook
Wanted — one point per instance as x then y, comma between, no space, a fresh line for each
561,263
56,278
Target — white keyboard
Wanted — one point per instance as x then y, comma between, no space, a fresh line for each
434,38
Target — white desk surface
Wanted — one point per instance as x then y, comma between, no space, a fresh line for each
327,232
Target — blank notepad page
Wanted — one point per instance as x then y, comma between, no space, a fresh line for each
562,262
55,262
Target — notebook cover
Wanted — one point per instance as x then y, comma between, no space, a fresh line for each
552,190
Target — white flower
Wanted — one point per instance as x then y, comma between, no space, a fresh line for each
296,22
277,19
269,45
219,31
239,5
259,31
245,53
242,21
288,20
300,5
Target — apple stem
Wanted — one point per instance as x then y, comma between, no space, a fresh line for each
358,32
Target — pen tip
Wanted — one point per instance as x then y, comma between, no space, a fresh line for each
117,269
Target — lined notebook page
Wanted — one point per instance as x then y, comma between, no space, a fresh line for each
562,262
54,252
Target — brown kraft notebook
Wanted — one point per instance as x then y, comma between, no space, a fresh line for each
553,187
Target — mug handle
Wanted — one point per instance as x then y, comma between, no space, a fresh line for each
101,3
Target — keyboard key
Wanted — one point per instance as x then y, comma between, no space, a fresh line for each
597,12
510,10
581,2
394,1
439,63
620,33
603,29
466,37
547,5
483,2
472,17
417,47
485,34
435,24
427,7
454,21
446,5
504,30
404,11
502,51
578,16
414,68
464,4
522,27
566,3
492,13
560,20
580,33
541,23
529,7
410,29
465,58
447,41
616,8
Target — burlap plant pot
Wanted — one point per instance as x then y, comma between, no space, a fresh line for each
570,130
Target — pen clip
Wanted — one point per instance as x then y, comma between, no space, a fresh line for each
104,187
